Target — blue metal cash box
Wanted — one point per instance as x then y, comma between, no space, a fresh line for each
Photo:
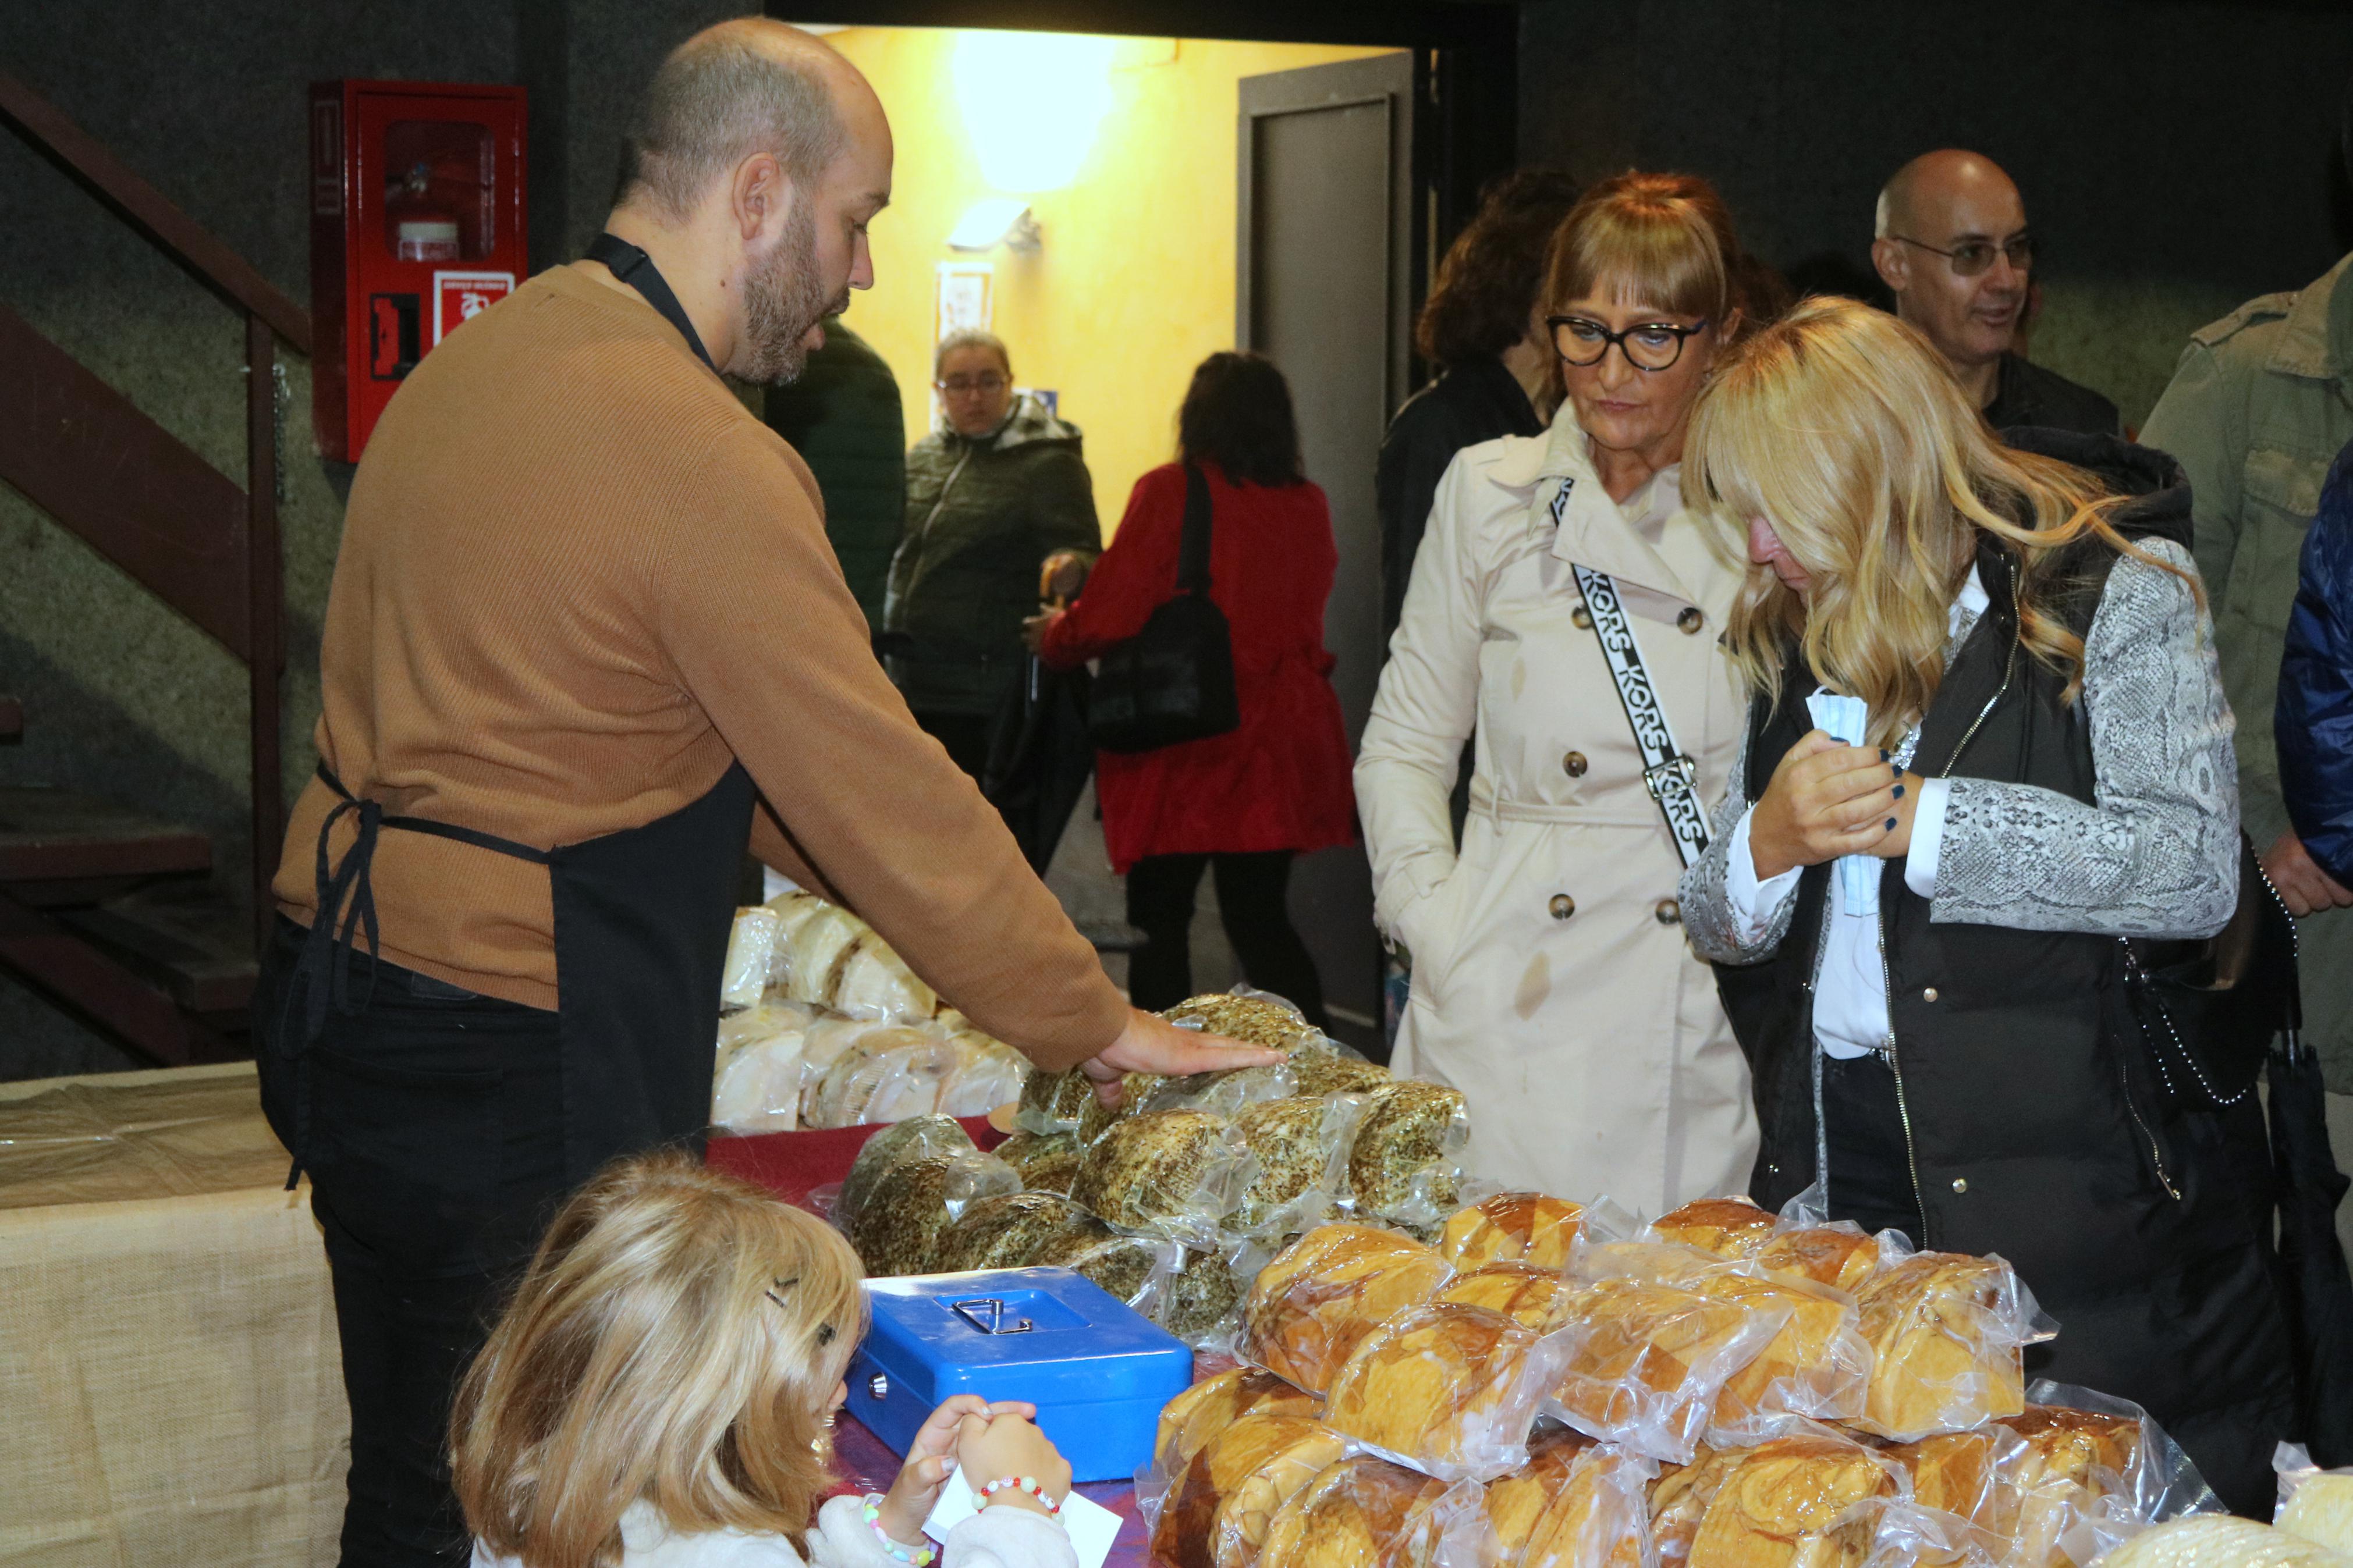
1097,1370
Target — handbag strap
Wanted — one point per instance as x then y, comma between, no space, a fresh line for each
1193,545
1668,772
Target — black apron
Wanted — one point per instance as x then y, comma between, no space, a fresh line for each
642,918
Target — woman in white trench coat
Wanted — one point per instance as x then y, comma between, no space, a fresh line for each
1551,980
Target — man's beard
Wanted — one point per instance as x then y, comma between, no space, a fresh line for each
782,299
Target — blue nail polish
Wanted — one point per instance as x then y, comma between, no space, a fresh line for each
1899,792
1891,824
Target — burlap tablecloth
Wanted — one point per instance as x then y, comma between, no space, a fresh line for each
170,1387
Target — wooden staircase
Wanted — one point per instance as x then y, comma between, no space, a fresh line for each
104,908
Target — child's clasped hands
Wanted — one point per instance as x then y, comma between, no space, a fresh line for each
997,1447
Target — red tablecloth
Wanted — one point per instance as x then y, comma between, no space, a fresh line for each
795,1164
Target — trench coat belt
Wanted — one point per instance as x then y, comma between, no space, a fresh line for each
1635,813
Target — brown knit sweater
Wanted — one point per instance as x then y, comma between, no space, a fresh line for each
577,580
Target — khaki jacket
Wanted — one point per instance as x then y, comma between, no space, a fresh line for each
2258,408
1552,982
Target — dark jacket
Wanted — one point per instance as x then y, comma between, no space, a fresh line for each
2029,394
2027,1106
1470,403
983,514
842,416
2313,719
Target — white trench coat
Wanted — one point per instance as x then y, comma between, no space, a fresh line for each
1551,981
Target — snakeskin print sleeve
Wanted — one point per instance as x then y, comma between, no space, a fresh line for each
2158,856
1709,920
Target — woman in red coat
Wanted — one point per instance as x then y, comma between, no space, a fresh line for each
1247,802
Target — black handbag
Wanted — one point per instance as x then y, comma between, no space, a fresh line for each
2207,1011
1174,680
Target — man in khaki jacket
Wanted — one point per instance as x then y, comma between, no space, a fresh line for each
2259,407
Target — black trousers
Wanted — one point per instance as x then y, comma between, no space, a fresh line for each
1252,902
1871,1164
432,1124
965,736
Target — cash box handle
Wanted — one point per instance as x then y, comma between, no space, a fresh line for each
972,1309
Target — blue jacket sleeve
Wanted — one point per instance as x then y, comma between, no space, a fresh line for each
2313,719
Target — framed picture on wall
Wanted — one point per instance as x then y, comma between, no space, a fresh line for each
966,297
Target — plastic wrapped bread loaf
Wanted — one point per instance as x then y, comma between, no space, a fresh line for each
1955,1473
1046,1162
1177,1173
1226,1094
1000,1232
1200,1300
988,1074
1945,1332
1729,1227
823,1046
1680,1497
890,1073
1819,1365
1839,1256
1363,1512
1403,1163
1311,1307
813,954
1214,1403
1600,1519
1449,1389
1646,1362
1095,1118
2212,1541
1300,1147
2318,1506
1511,1506
908,1139
914,1200
750,946
1795,1502
2066,1463
1235,1483
1513,1227
872,981
1320,1068
755,1082
1129,1267
1253,1018
1522,1292
1054,1101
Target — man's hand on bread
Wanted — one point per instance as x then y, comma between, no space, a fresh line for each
1152,1044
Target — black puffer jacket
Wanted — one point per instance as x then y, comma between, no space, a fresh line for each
2035,1130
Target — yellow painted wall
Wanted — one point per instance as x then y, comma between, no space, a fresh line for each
1134,284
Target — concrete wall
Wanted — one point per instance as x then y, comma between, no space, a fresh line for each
2176,159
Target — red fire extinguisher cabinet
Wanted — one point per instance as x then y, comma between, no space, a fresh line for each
418,223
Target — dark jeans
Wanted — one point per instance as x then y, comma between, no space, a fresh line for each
1252,902
965,736
435,1146
1871,1164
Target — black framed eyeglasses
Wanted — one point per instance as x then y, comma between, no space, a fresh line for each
1972,257
987,385
1648,345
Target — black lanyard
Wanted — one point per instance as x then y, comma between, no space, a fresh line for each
635,268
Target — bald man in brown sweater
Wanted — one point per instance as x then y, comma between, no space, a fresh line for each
586,639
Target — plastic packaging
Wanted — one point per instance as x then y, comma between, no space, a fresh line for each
1810,1500
1601,1518
755,1082
1959,1474
1302,1149
1513,1227
1819,1365
892,1072
813,952
1177,1173
1323,1066
1000,1232
791,908
1449,1389
1839,1256
1405,1161
1227,1093
1914,1535
2313,1503
1235,1483
1310,1307
872,981
1538,1298
1053,1101
909,1140
1214,1403
1095,1118
1946,1333
915,1199
988,1074
1201,1301
1680,1500
1363,1512
826,1041
1047,1162
1647,1362
1729,1227
2220,1541
751,944
1501,1516
1136,1268
2088,1470
1253,1018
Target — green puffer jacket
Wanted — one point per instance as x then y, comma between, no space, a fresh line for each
842,416
983,514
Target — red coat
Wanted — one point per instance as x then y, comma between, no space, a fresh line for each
1280,780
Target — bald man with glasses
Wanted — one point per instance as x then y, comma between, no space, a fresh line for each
1951,241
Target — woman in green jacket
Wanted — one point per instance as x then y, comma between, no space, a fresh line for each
1000,512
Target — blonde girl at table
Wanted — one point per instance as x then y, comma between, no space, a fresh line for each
661,1393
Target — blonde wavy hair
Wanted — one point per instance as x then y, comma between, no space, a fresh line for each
1842,427
676,1339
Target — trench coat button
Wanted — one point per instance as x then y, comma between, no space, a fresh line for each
1563,906
1573,765
1690,621
1670,913
1583,617
1930,994
1960,1184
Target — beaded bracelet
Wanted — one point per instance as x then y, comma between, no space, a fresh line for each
918,1557
1022,1484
